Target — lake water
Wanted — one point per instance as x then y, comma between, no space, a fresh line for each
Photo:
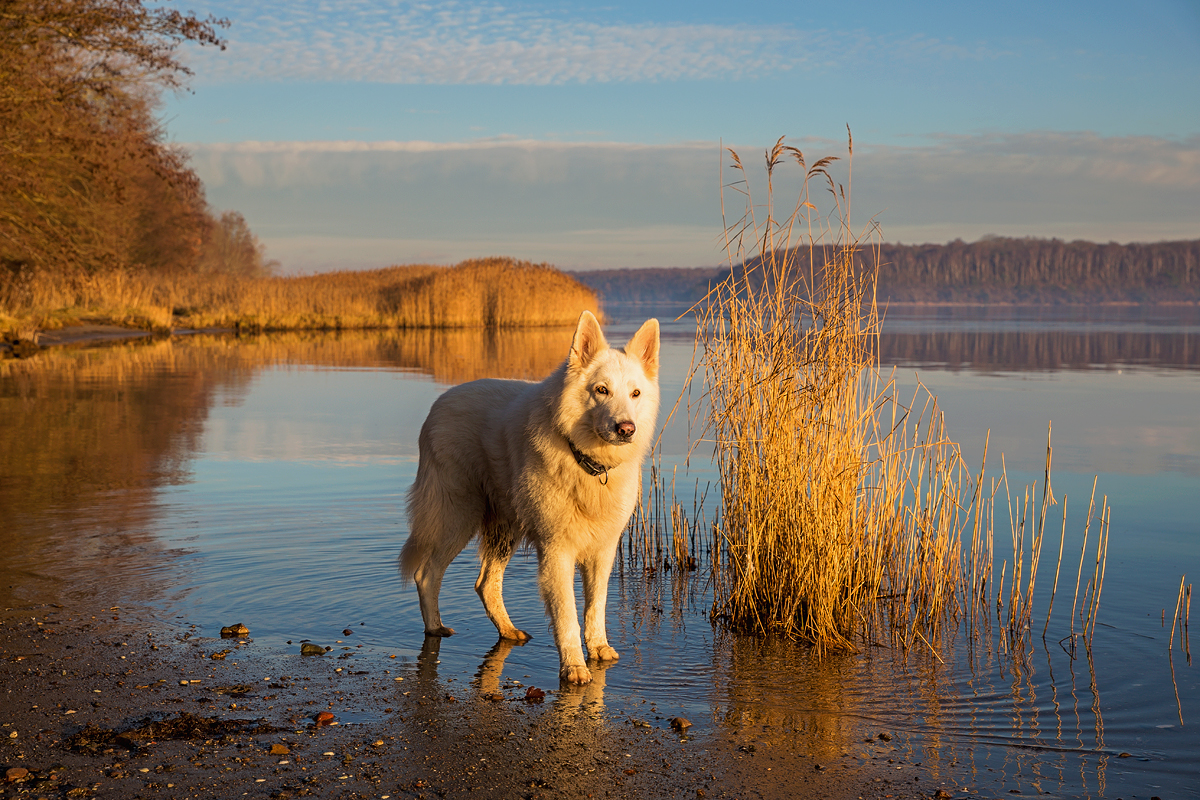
263,480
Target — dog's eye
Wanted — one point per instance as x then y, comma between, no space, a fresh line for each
637,393
601,390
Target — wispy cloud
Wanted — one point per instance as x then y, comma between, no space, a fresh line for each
391,41
322,204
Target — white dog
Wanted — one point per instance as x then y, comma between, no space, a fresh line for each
556,465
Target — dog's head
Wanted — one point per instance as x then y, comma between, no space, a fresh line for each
613,393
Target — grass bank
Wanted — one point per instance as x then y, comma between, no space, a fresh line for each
489,293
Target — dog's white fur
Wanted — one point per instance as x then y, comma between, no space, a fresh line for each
495,461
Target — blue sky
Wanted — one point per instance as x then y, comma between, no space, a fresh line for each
368,132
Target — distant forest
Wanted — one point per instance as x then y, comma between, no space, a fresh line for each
992,270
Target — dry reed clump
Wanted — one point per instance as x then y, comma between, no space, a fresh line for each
847,511
830,514
492,293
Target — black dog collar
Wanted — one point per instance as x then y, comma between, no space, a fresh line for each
590,465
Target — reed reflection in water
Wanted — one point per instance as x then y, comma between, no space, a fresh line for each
90,434
966,711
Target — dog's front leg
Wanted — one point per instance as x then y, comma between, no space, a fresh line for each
556,579
596,570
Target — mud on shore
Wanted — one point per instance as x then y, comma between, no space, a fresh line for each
119,703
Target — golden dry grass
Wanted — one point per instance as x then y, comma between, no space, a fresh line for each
829,506
847,512
489,293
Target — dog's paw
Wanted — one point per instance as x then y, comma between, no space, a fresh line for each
516,634
575,673
604,653
442,631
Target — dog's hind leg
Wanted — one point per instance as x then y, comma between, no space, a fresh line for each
442,523
495,550
595,570
428,578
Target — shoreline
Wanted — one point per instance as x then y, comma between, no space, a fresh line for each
95,333
975,303
89,675
89,334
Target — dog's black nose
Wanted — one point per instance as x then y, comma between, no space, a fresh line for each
625,429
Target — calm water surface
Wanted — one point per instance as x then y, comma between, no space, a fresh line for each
262,480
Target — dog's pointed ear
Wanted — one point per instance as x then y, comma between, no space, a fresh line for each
588,341
643,346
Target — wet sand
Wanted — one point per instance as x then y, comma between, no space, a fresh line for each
105,671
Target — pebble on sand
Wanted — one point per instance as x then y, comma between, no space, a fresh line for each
234,630
16,774
324,718
680,724
280,750
309,649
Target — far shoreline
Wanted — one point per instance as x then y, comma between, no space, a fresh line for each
98,332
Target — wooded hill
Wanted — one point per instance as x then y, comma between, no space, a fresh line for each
992,270
89,185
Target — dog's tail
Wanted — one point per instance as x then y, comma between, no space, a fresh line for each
423,522
415,551
410,560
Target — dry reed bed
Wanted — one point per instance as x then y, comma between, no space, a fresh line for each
493,293
847,514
